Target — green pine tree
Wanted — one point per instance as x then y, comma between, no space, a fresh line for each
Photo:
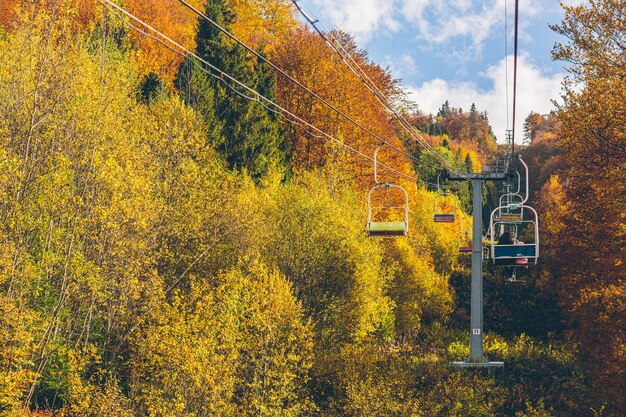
249,137
469,166
195,88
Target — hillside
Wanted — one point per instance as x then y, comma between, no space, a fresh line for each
182,227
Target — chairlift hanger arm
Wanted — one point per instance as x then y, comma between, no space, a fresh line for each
380,145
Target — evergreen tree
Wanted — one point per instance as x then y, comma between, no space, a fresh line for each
245,132
195,88
444,110
474,119
150,88
469,166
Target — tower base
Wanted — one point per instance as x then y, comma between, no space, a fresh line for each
486,364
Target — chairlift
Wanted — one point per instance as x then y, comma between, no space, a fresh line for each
444,205
510,197
513,210
516,253
513,202
465,237
382,220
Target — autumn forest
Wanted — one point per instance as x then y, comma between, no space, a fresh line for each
183,209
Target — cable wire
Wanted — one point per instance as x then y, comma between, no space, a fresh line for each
184,52
355,67
298,83
514,75
506,63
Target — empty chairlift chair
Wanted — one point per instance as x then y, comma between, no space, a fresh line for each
512,208
445,208
512,202
465,237
387,207
390,219
444,205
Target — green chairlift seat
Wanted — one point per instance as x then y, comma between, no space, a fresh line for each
387,228
389,211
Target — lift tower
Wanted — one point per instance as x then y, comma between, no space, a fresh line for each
489,173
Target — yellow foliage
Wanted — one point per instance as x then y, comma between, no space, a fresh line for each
262,23
242,348
419,293
19,328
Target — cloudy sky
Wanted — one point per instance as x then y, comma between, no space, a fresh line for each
455,50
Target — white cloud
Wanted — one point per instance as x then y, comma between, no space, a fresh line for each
401,67
439,21
433,21
535,90
361,19
574,2
458,29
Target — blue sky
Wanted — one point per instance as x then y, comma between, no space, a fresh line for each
455,50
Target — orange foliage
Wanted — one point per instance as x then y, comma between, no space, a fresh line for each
174,20
586,248
7,12
83,10
307,58
168,16
257,23
543,158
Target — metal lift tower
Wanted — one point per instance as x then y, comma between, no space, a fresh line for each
476,357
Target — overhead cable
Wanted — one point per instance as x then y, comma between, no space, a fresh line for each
298,83
355,67
514,75
506,63
220,75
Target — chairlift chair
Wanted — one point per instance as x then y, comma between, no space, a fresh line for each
444,206
387,228
392,227
513,211
515,254
465,237
465,249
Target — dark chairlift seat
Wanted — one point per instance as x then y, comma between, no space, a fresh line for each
511,255
465,236
444,207
444,218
